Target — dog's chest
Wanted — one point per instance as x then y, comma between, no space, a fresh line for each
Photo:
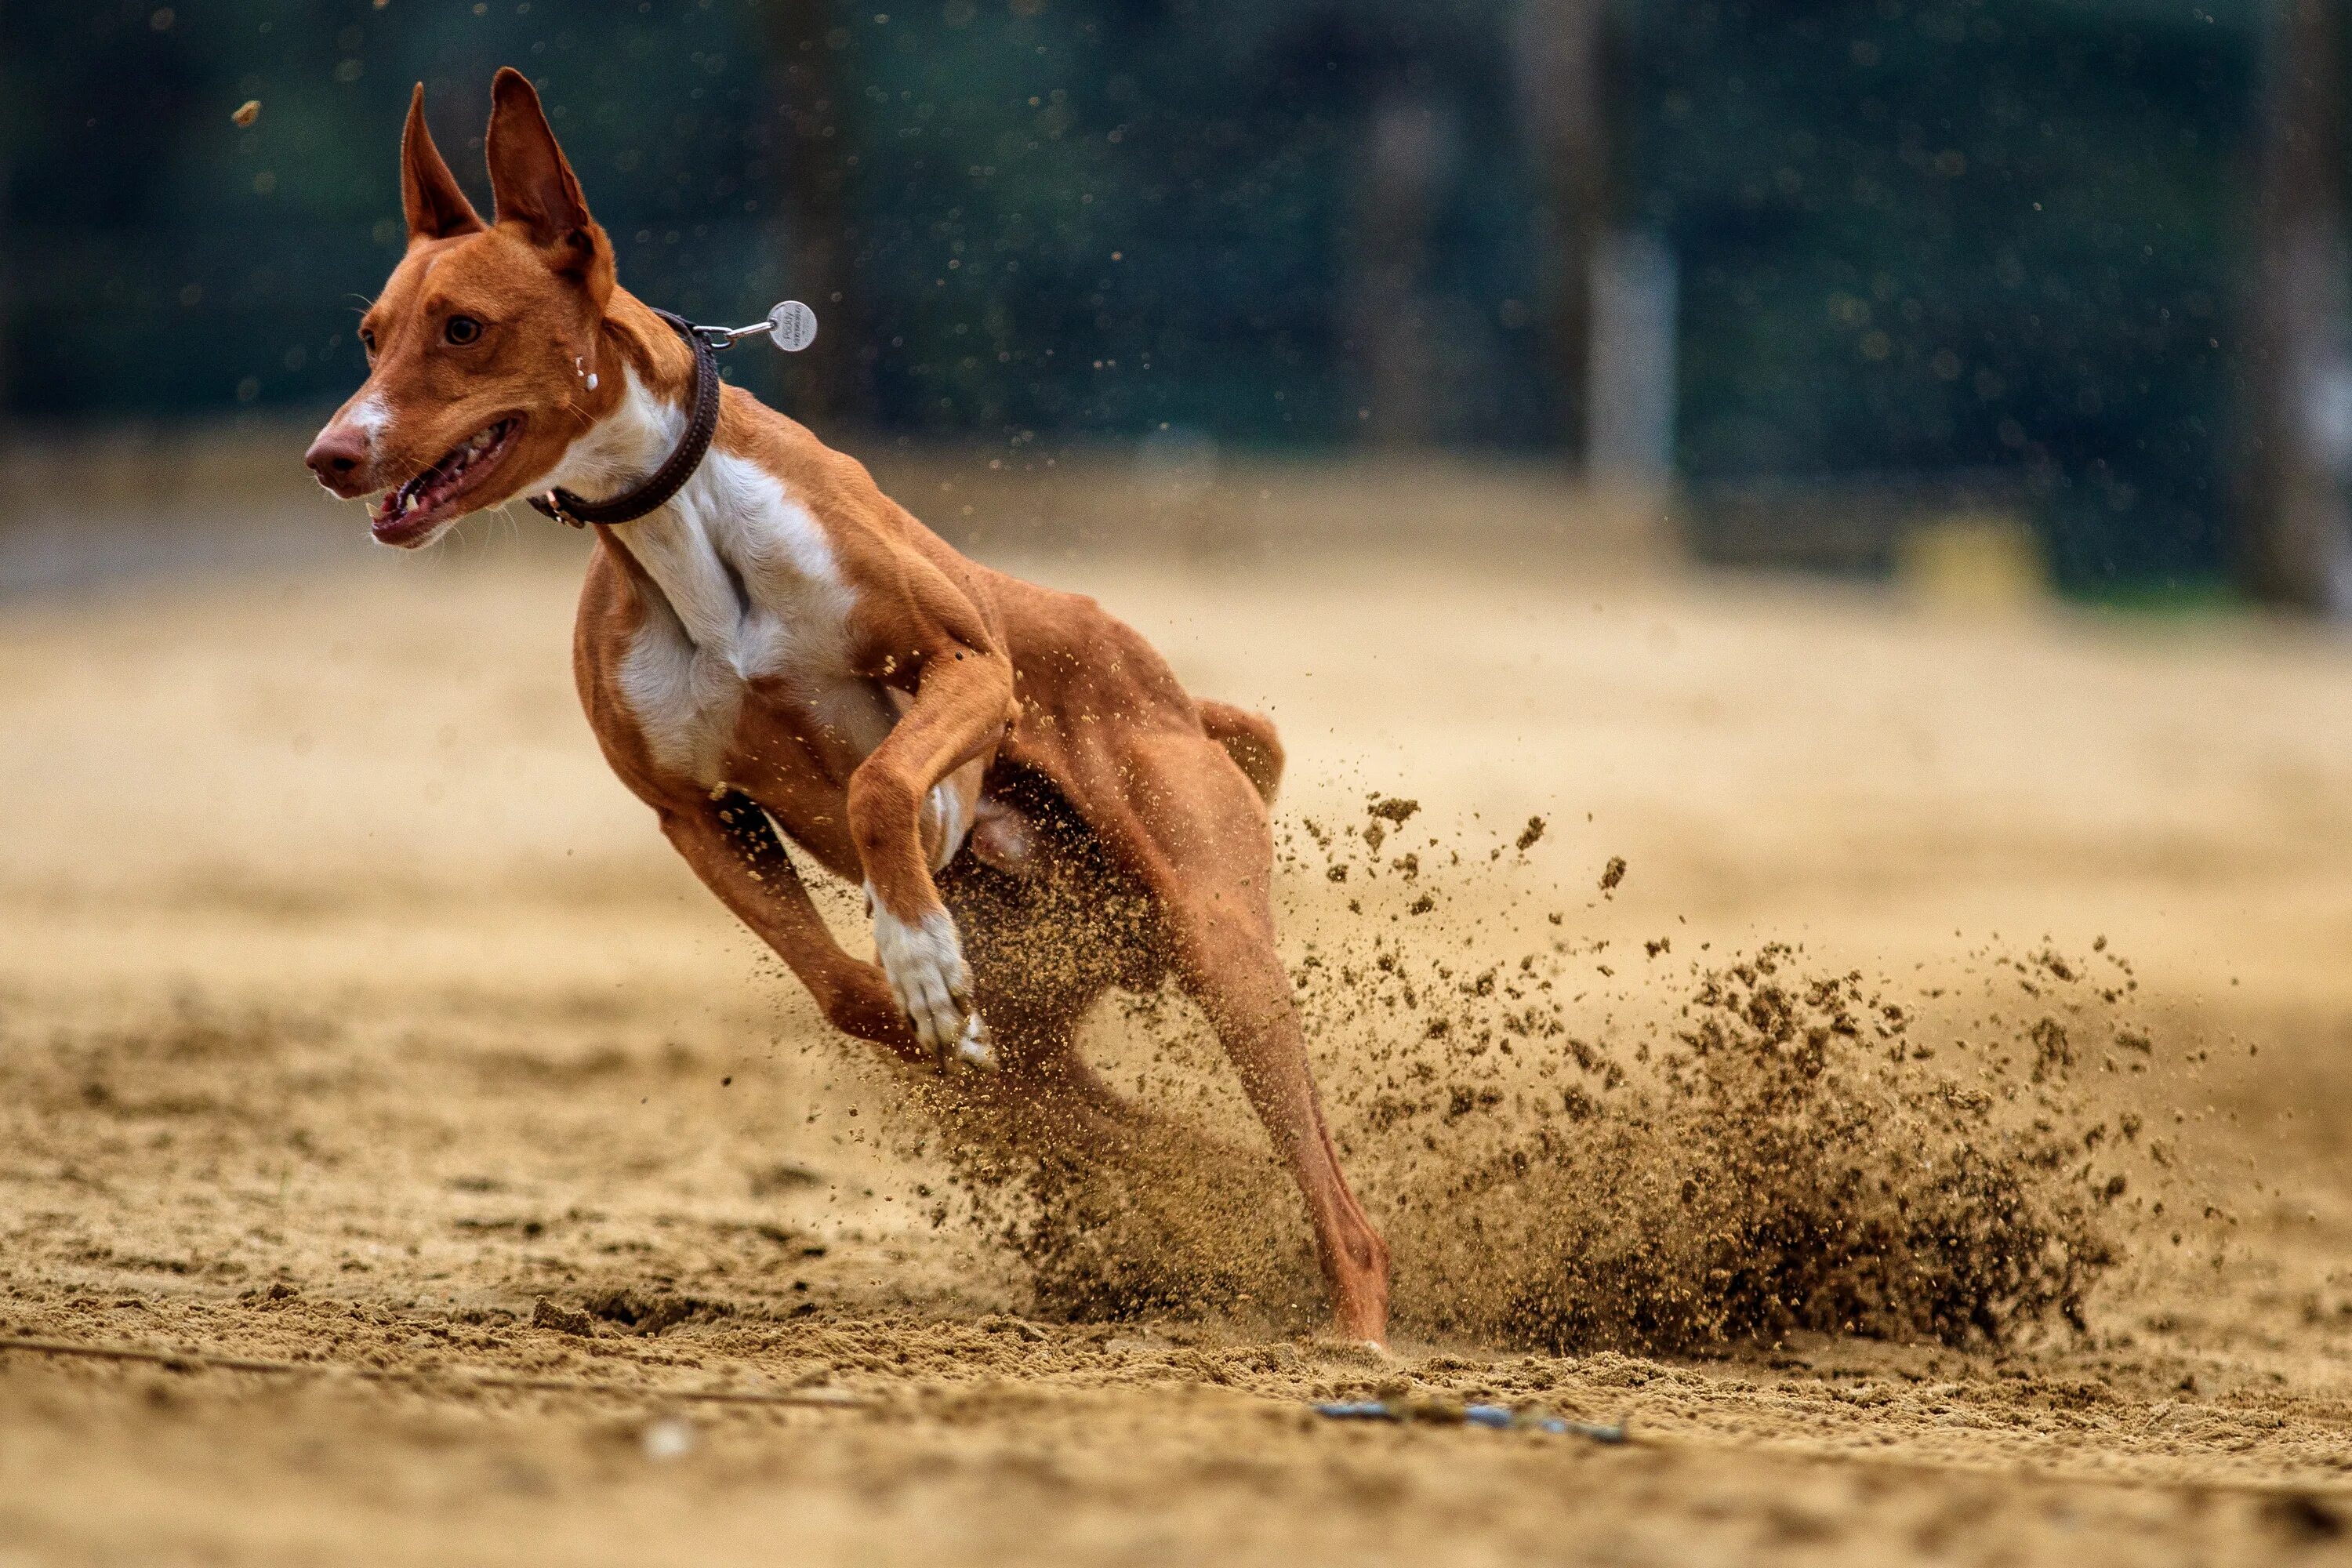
748,649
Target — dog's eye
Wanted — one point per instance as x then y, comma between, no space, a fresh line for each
367,341
462,329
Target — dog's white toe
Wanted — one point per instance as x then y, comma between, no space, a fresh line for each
923,960
975,1046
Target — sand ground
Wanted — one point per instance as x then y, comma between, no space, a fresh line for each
349,1011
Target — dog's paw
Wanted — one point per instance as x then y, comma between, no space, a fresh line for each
976,1047
923,960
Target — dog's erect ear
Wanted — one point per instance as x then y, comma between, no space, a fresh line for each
429,193
536,191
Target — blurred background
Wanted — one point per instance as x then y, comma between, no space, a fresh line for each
2021,293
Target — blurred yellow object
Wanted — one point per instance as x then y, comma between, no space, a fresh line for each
248,112
1974,564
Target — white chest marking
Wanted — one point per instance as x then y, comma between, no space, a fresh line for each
749,589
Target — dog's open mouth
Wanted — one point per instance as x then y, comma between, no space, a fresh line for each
405,515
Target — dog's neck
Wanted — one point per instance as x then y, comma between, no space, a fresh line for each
646,378
615,454
733,540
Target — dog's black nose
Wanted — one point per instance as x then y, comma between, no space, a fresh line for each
337,457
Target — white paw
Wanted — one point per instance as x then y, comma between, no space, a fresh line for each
923,960
975,1046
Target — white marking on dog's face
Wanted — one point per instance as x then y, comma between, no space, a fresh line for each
923,959
371,418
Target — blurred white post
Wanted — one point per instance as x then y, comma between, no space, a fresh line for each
1630,372
2297,524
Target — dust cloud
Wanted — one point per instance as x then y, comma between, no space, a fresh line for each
1770,1146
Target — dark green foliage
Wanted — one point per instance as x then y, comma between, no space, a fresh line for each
1959,233
1914,234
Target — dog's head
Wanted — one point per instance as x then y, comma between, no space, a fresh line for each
483,347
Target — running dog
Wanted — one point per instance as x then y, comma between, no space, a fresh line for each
769,649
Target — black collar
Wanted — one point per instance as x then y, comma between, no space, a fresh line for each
670,477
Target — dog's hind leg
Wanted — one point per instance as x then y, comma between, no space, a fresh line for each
1189,822
1250,739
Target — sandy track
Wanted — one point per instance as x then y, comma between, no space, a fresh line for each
348,1010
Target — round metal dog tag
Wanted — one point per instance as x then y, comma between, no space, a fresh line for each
791,326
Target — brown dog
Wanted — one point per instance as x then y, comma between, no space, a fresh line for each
778,645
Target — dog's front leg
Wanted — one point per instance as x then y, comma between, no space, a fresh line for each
963,699
734,848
